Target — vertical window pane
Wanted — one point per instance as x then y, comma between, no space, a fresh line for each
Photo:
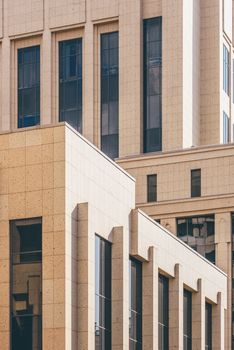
196,183
70,82
110,94
26,284
225,128
163,313
153,84
226,70
199,233
187,320
28,86
102,294
152,188
135,297
208,345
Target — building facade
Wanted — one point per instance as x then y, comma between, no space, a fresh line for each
82,268
150,83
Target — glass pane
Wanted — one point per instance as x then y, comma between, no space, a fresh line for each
26,284
70,87
109,94
29,86
152,84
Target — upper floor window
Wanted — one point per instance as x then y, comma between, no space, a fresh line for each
26,284
70,82
110,94
208,345
152,84
151,188
163,313
198,232
135,297
102,294
187,320
225,128
226,70
196,183
28,86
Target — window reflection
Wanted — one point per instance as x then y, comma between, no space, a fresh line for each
70,82
187,328
102,294
135,311
28,86
163,313
208,345
110,94
199,233
153,84
26,284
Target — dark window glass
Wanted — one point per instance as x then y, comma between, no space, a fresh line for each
70,82
102,294
152,188
226,70
153,84
110,94
199,233
225,128
135,312
208,345
187,320
196,183
28,86
26,284
163,313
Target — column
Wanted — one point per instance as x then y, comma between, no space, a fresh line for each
86,292
176,310
150,302
120,289
218,324
130,77
224,262
198,312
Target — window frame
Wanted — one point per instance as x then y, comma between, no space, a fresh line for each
12,227
139,303
165,323
195,188
79,82
187,319
152,196
100,296
156,63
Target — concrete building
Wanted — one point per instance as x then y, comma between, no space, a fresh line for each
85,269
150,83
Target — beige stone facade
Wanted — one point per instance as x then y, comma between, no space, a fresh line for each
41,175
56,174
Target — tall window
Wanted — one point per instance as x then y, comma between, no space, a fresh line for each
28,86
152,188
102,294
225,128
135,312
163,313
196,183
26,284
70,82
226,70
198,232
153,84
110,94
208,345
187,320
